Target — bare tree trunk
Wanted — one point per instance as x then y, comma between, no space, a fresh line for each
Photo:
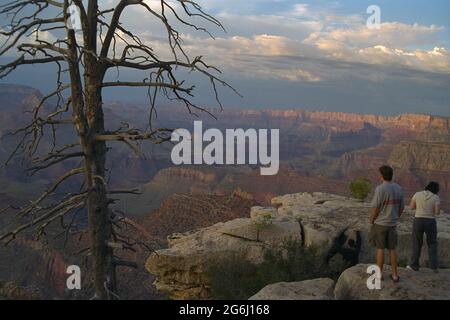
89,121
86,102
99,219
100,225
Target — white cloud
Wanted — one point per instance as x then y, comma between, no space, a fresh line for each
391,34
31,38
261,45
437,59
300,9
387,46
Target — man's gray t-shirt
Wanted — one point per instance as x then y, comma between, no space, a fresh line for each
388,199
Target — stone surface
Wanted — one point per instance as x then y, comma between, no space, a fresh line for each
336,225
265,212
11,291
316,289
339,223
271,231
181,270
422,285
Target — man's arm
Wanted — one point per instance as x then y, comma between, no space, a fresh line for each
373,215
402,209
375,206
402,205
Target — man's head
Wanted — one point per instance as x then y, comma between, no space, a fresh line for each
433,187
386,172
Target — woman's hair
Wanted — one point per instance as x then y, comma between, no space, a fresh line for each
433,187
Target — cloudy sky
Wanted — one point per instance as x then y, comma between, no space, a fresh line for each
317,55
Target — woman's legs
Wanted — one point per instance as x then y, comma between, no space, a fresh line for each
431,233
417,242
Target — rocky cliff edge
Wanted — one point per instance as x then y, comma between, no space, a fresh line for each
335,224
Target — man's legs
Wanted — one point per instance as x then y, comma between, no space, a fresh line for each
380,259
393,257
392,245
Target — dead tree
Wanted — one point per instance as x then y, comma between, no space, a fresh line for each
82,58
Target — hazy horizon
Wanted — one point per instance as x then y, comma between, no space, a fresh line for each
144,104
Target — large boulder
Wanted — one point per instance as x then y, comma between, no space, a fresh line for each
316,289
422,285
182,270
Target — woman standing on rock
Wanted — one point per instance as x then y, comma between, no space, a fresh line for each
427,206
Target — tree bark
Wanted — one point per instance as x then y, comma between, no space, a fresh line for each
100,227
99,218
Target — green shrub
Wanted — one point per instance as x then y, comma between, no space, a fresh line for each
235,278
262,222
402,263
360,188
231,278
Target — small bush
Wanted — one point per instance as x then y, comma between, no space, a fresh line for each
262,222
231,279
402,263
235,278
360,188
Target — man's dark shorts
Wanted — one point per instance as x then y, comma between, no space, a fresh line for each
383,237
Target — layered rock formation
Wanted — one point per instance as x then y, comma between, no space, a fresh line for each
178,180
421,155
182,212
415,122
181,270
316,146
417,163
337,225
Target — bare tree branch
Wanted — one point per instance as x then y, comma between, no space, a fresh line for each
82,59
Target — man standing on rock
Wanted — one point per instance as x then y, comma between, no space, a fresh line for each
387,207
